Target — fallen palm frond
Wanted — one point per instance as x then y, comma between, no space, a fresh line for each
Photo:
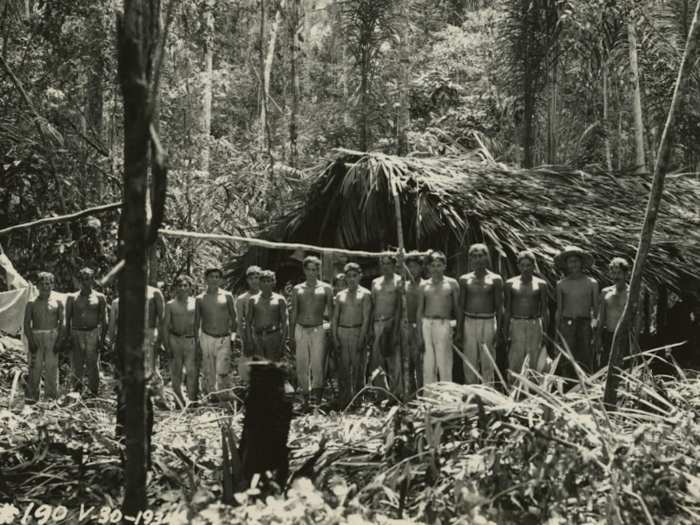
450,202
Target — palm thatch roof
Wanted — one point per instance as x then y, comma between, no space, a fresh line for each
448,203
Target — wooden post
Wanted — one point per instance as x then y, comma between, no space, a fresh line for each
403,318
625,328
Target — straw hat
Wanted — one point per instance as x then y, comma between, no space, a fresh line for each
586,258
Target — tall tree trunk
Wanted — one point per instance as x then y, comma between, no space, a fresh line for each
95,91
134,42
263,87
623,333
404,116
606,103
208,72
528,131
347,121
640,162
267,73
153,250
294,61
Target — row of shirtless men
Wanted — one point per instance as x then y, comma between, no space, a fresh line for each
475,313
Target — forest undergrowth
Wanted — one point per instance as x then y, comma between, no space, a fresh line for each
461,455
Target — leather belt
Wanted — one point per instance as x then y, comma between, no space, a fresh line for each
182,336
310,325
479,316
523,318
217,335
267,330
350,325
83,329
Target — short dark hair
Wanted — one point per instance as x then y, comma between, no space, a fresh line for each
622,264
253,270
338,278
86,273
437,256
268,275
415,257
390,256
527,254
210,270
352,267
45,276
312,259
183,279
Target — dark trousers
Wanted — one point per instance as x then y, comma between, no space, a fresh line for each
577,334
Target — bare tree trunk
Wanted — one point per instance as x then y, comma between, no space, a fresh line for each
294,59
95,91
347,121
623,333
133,42
404,115
208,66
640,162
267,72
152,250
606,102
263,87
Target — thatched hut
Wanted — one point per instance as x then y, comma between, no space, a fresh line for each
448,203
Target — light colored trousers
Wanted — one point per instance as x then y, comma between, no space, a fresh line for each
478,339
351,369
216,362
437,362
311,356
184,353
43,360
525,340
84,354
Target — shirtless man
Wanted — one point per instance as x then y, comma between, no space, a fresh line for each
266,320
86,322
526,314
438,304
252,277
178,339
612,303
387,307
351,315
43,327
412,359
577,302
215,314
152,338
481,298
309,301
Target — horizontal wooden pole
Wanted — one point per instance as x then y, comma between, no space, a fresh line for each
61,218
274,245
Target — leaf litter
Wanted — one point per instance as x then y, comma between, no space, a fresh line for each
461,454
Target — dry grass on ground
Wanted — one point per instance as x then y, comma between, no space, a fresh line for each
465,455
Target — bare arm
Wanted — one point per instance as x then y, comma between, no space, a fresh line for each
104,317
366,316
560,308
419,312
544,309
335,319
160,315
293,316
69,315
112,330
462,305
329,298
59,321
498,299
596,298
167,319
284,325
231,313
249,319
197,318
507,302
457,305
28,326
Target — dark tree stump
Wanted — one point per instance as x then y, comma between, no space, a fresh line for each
268,414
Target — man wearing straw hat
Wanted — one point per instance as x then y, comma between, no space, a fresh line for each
481,298
525,317
577,305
